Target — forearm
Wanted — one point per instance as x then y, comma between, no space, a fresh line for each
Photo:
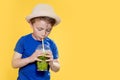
55,66
17,63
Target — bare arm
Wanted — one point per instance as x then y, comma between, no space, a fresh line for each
54,65
18,62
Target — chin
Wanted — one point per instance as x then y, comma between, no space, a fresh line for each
43,37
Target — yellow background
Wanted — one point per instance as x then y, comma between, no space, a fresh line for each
88,37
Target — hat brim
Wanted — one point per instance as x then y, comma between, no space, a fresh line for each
54,16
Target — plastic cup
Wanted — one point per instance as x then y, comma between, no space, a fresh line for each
42,65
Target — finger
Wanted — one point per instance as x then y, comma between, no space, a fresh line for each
40,55
38,51
38,59
48,60
48,52
49,56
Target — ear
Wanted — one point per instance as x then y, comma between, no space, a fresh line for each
31,25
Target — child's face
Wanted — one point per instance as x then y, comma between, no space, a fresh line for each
41,29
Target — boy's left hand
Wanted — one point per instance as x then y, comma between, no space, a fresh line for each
49,56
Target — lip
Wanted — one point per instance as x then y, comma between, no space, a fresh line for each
42,37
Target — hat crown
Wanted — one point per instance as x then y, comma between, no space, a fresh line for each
43,8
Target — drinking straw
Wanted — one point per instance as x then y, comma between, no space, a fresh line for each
43,48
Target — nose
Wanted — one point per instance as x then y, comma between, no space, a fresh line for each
43,33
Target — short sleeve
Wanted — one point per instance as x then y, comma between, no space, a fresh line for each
54,50
19,46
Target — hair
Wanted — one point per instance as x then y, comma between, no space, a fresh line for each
45,18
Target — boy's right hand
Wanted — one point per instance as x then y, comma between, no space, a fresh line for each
35,55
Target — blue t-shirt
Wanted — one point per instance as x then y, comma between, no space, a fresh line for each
26,46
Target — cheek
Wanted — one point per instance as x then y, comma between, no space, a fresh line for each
47,33
37,32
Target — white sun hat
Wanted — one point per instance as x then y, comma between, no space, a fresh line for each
43,10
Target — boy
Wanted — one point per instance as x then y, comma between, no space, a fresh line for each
26,54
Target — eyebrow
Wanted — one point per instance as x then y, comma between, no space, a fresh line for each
43,28
40,28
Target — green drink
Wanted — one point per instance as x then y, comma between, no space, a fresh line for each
42,65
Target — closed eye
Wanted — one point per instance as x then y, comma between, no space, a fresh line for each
48,30
40,29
